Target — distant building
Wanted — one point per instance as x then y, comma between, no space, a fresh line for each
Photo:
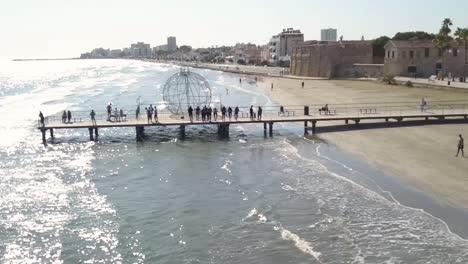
334,59
116,53
282,45
171,44
140,50
329,34
420,58
249,53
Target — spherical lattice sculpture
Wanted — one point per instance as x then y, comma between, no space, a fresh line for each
186,89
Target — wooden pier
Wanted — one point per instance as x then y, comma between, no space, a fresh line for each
310,116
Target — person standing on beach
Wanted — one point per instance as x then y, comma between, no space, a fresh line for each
272,87
69,116
93,117
41,118
302,85
461,143
423,104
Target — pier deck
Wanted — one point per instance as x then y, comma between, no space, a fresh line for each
309,115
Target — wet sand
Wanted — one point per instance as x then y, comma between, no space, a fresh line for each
422,156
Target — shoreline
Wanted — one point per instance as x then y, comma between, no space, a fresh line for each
420,156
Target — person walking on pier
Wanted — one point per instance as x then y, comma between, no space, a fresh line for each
197,113
64,116
236,113
215,114
461,143
109,111
190,113
93,117
229,113
156,114
281,110
41,118
69,116
148,115
210,111
259,113
203,114
251,112
223,113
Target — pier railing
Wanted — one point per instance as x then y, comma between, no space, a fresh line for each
356,110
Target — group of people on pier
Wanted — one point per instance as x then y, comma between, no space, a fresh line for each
66,116
206,114
116,115
151,112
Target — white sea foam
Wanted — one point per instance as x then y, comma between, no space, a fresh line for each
299,242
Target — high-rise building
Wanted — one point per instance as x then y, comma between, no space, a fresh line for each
171,44
281,45
329,34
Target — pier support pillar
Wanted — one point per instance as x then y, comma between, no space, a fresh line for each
96,133
270,130
265,129
91,136
43,131
223,130
182,131
346,121
427,118
51,133
306,128
357,121
314,127
140,132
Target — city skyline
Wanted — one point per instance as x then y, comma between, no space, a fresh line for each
52,28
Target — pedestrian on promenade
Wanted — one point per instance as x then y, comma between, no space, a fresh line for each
423,104
93,117
215,114
190,113
240,80
272,87
109,111
251,112
64,116
461,144
236,113
229,113
259,113
41,118
302,85
69,116
223,113
156,114
197,112
148,115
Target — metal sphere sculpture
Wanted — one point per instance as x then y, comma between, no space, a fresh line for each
186,89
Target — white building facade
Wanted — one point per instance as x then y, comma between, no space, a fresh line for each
329,34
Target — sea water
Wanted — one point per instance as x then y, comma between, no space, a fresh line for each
198,199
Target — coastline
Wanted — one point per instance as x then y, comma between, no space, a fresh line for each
421,156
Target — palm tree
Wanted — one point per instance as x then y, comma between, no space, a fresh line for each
462,38
442,40
445,29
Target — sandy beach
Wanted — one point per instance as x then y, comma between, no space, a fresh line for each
422,156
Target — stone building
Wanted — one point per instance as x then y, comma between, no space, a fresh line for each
420,58
334,59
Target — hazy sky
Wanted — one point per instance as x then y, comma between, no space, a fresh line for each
65,28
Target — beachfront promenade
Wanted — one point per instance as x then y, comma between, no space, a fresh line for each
310,116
